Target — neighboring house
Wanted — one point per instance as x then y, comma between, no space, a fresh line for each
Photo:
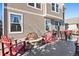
22,18
73,24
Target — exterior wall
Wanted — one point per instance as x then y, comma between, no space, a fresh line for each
53,13
46,9
28,25
33,19
55,16
25,7
5,22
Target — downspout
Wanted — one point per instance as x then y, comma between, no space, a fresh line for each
3,19
63,16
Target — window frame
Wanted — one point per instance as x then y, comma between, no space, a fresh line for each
9,22
30,5
35,6
55,8
47,24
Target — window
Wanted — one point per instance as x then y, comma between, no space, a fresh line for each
31,4
38,5
55,7
47,24
35,5
15,22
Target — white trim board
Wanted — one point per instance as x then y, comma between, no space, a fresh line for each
31,12
52,17
9,30
24,11
35,6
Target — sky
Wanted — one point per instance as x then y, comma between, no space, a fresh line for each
71,10
0,10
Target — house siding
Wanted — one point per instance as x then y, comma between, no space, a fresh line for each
5,22
37,25
53,13
31,22
25,7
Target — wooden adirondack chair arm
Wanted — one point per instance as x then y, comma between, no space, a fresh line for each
31,41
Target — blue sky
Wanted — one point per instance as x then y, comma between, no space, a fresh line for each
71,10
0,10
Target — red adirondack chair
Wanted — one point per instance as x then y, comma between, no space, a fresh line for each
13,51
68,32
48,38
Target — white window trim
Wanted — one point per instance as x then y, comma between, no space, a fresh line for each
55,8
9,26
49,24
35,6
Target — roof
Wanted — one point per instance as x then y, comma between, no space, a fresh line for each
73,27
74,20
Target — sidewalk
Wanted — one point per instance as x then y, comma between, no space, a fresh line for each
57,48
33,51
